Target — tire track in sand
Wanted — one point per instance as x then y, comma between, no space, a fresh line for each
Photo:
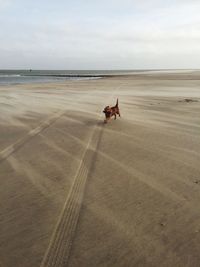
5,153
58,251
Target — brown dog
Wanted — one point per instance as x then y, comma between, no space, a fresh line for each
111,111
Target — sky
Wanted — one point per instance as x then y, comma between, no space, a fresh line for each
106,34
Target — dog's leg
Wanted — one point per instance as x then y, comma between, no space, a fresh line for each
115,116
106,119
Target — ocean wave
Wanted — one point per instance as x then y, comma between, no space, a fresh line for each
9,75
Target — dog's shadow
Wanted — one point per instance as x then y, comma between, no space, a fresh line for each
88,119
93,122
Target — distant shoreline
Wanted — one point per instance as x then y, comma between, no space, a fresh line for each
67,75
14,77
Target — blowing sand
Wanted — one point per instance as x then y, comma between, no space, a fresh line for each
76,192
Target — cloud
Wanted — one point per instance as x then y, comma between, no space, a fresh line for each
4,4
135,33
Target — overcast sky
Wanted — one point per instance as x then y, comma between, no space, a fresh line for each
106,34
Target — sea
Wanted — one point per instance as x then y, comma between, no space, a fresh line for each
12,77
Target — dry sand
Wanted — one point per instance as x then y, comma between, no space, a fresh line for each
76,192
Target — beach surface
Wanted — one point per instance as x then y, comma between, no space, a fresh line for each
77,192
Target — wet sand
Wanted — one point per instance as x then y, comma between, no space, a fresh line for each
78,192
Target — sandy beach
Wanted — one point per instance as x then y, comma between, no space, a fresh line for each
80,193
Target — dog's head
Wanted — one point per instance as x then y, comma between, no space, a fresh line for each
107,111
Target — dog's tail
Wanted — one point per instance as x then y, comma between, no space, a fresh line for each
116,103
